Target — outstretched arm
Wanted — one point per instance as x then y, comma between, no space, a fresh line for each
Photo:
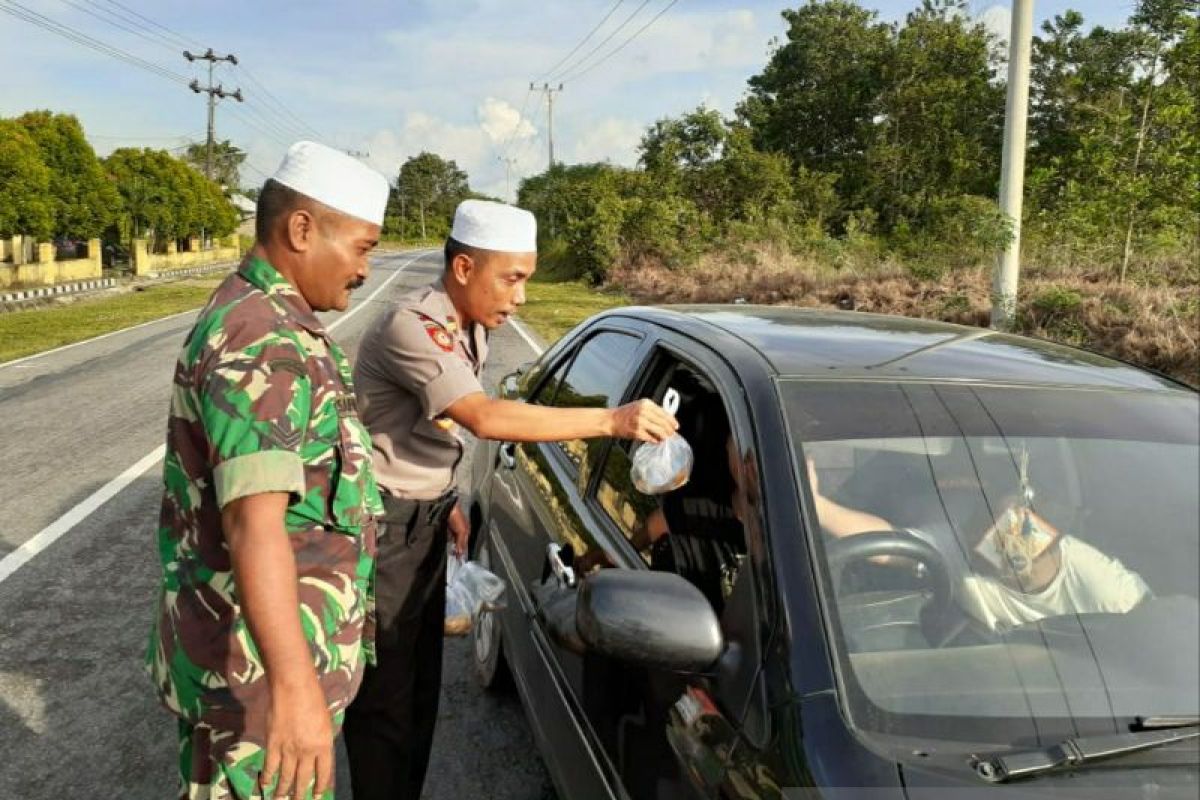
511,421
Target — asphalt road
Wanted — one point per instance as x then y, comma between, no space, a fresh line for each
78,717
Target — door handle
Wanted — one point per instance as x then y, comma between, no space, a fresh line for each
508,456
564,574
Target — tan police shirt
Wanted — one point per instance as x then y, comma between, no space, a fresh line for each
413,363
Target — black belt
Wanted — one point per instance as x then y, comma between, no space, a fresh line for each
441,505
432,510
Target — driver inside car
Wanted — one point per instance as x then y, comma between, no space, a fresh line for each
1023,569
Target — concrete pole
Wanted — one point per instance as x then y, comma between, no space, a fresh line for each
212,110
1012,164
550,121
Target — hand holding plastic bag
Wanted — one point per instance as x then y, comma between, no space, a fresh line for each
470,590
663,466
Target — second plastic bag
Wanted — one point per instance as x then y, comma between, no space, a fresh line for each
470,590
660,467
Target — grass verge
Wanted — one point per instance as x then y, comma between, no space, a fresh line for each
552,307
23,333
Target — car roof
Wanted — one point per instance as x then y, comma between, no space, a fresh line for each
803,342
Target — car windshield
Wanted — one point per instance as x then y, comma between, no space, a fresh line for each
1004,565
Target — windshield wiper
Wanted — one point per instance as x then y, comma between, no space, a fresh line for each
1084,749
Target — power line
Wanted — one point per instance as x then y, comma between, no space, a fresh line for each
584,40
257,127
605,41
67,32
576,76
182,40
280,107
270,122
117,23
253,168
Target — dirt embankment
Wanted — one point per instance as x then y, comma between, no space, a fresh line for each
1154,326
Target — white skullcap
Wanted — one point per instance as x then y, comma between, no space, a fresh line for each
494,226
334,179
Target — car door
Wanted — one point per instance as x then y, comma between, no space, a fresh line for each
664,734
536,523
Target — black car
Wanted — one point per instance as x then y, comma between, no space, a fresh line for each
912,560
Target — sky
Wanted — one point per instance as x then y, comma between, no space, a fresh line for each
389,79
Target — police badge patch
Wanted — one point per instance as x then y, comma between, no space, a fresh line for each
440,337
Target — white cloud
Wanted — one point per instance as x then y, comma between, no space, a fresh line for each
503,123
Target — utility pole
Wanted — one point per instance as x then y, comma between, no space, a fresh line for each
549,91
1012,163
509,162
214,93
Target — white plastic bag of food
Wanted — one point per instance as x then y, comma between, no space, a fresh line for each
664,466
470,590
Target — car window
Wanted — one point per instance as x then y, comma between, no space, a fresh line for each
596,378
544,396
694,530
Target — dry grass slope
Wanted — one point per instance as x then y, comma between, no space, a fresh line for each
1155,325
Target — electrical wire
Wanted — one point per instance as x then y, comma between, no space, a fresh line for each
576,76
117,23
21,12
130,22
256,126
603,42
276,125
182,40
279,106
584,40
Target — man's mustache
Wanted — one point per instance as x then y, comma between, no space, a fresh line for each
357,283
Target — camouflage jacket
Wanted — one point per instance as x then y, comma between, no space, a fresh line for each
262,402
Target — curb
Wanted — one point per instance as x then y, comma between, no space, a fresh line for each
58,289
190,271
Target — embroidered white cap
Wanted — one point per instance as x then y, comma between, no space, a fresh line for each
334,179
494,226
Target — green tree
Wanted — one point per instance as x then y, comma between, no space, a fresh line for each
941,115
585,206
428,190
226,162
164,198
25,205
818,97
1171,110
1114,135
83,199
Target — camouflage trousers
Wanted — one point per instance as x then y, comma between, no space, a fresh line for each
217,765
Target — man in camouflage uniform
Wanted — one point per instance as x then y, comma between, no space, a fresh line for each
267,530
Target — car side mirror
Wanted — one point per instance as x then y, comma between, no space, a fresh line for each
656,619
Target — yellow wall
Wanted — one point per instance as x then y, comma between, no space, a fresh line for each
145,263
47,272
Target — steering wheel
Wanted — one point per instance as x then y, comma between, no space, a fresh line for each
939,615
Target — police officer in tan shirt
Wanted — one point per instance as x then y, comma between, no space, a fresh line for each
417,379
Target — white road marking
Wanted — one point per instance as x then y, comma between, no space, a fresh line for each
529,340
48,535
